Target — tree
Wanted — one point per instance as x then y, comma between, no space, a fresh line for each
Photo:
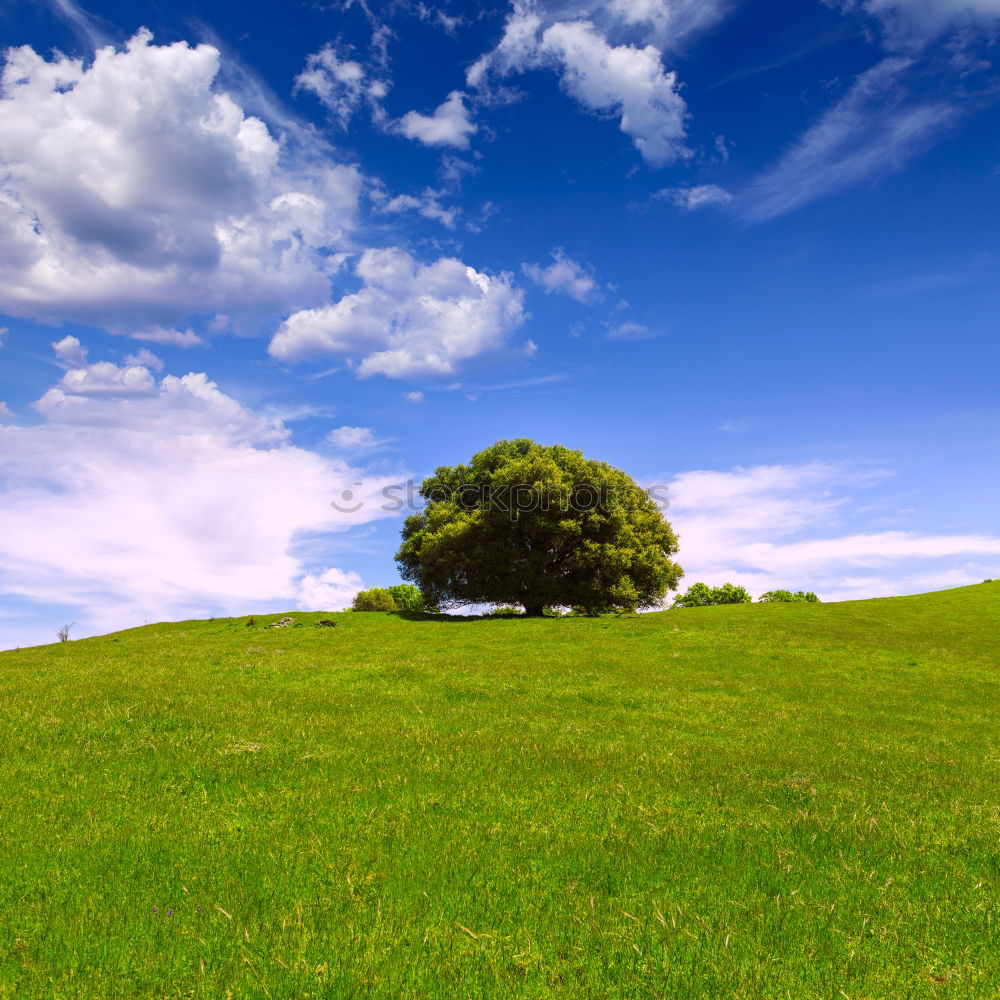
407,597
539,526
787,597
700,595
376,599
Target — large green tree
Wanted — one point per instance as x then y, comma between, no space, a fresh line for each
538,526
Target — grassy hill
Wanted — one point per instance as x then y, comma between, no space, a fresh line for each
795,801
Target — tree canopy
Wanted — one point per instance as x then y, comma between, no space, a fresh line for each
788,597
539,526
701,595
376,599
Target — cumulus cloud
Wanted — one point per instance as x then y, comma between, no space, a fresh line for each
70,352
134,191
414,397
5,411
564,275
626,80
408,318
771,527
141,499
448,125
692,198
875,129
101,379
668,24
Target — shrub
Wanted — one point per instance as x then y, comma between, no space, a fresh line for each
506,611
407,597
376,599
787,597
700,595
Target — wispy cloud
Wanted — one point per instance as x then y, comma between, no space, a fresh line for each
86,27
781,526
911,24
962,276
694,197
874,130
355,439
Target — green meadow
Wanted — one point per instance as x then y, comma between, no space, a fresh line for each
756,801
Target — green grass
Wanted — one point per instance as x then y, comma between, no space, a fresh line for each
794,801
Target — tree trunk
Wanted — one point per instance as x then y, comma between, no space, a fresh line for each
534,610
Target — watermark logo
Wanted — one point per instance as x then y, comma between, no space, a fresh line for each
511,499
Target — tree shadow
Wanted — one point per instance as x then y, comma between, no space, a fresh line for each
424,616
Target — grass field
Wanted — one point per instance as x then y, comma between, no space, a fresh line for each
795,801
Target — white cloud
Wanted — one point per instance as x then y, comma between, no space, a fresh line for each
137,499
428,204
341,84
354,438
146,210
414,397
5,411
771,527
82,23
692,198
337,82
146,359
626,80
630,331
449,125
873,130
167,335
564,275
3,335
408,318
911,22
332,590
70,352
102,379
446,21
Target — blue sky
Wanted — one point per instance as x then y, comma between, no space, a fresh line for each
254,255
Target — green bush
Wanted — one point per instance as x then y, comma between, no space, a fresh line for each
700,595
407,597
788,597
506,611
376,599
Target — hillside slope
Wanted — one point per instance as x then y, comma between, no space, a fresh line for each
752,801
